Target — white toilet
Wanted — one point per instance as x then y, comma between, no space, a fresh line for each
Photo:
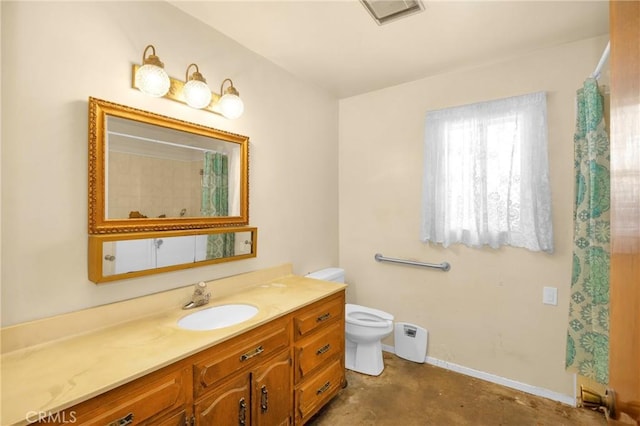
365,328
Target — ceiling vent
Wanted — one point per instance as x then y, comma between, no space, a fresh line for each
384,11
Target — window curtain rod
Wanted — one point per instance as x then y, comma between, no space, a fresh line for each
603,60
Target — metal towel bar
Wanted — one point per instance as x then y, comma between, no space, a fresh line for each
444,266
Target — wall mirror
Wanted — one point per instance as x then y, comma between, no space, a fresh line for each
149,172
117,256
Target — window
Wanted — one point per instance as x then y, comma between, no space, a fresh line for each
486,177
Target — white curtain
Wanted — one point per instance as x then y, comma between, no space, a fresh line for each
486,178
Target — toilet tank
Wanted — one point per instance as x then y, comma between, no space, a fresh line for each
328,274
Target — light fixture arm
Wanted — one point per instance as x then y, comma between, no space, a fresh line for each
195,76
230,90
152,59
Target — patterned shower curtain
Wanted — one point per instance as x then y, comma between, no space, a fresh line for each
588,331
215,202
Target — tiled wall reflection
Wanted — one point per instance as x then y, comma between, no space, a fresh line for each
152,186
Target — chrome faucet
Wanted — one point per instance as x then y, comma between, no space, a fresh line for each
200,296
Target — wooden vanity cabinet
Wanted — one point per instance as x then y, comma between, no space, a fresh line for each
259,397
318,355
159,398
228,403
280,373
248,380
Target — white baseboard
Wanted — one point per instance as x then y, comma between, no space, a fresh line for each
524,387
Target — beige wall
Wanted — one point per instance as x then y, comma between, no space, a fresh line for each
56,55
487,312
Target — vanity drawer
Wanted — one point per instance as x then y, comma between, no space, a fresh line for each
145,401
316,391
316,350
242,352
317,316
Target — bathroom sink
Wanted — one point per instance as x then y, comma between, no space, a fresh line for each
218,317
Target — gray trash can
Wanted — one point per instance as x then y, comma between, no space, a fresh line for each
410,342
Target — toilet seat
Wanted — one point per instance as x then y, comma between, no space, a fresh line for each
367,317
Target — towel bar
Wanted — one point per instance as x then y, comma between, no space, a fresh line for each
444,266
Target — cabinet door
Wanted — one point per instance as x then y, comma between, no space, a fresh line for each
134,255
272,392
178,419
227,405
175,250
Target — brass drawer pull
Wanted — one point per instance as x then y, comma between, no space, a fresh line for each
323,388
323,317
264,399
126,420
256,351
323,349
242,413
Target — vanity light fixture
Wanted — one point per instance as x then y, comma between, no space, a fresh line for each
231,106
151,78
196,92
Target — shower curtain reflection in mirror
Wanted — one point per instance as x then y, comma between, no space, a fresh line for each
215,201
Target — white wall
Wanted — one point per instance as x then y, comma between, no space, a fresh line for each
487,312
57,54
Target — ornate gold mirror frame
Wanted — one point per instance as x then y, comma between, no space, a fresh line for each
101,113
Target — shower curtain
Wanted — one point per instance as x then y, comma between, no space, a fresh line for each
215,202
588,331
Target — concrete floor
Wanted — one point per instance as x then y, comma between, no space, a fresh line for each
409,394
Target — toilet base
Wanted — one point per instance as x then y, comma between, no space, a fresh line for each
365,358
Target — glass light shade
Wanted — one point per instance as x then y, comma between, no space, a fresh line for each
197,94
152,80
231,106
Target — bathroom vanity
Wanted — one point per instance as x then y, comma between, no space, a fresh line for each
279,367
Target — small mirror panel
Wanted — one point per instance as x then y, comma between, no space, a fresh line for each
116,257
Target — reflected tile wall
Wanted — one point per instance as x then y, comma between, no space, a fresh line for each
169,186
